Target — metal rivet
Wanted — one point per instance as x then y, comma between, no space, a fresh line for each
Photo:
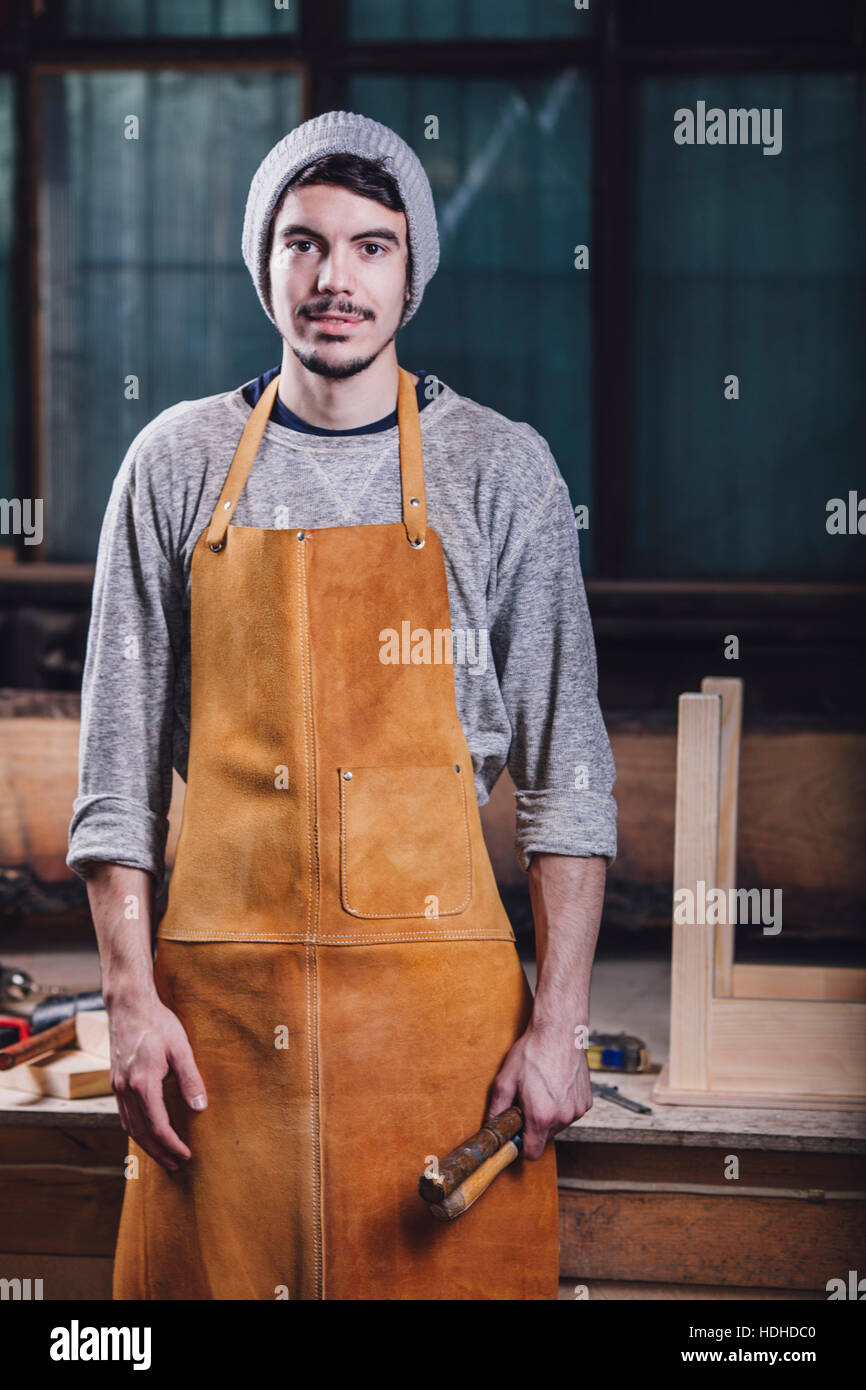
218,546
226,506
414,502
347,776
301,535
456,767
416,545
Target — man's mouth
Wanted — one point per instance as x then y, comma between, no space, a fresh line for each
340,320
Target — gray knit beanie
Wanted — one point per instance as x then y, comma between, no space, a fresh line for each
341,132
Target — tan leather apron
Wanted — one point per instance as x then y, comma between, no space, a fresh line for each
334,942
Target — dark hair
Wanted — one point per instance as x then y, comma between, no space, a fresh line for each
367,177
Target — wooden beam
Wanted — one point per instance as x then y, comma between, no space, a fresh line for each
764,1242
730,691
845,984
788,1046
695,859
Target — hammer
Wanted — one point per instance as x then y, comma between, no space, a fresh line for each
467,1171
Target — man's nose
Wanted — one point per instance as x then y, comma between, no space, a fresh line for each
335,273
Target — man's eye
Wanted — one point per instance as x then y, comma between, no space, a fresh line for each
372,246
300,243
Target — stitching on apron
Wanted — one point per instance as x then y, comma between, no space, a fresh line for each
285,939
420,936
307,732
310,951
449,912
309,957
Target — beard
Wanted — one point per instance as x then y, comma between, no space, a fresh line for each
336,371
311,359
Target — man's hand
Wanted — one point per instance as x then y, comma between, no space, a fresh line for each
147,1041
549,1079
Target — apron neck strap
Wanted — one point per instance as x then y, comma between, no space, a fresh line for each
411,460
411,463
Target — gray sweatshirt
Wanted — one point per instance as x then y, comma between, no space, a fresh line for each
525,678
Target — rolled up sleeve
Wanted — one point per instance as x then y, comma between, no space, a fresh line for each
560,757
125,761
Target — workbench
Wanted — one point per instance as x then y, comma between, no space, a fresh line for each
646,1210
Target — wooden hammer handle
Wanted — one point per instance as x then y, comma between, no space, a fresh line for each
456,1167
34,1046
477,1183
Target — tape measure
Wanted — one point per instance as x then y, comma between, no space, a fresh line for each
617,1052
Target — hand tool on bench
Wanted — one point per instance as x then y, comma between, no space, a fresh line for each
469,1169
13,1029
612,1093
617,1052
49,1040
58,1007
74,1029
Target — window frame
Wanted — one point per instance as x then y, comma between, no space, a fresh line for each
320,51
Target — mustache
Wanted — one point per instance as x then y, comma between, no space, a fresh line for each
328,306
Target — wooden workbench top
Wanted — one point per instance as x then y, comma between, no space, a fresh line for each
628,995
825,1131
817,1131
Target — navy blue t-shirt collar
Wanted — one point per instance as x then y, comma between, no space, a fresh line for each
281,415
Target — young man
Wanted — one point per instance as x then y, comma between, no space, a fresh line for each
339,641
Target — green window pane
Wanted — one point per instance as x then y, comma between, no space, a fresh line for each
506,318
467,19
7,364
140,267
206,18
753,265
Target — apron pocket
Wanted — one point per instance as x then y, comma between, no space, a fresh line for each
404,841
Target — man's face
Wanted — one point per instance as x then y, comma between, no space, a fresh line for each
338,277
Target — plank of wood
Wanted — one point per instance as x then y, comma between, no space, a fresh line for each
65,1278
695,858
91,1028
730,691
674,1164
842,983
801,808
69,1074
67,1143
621,1291
90,1112
803,799
694,1239
783,1047
39,775
60,1211
664,1094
